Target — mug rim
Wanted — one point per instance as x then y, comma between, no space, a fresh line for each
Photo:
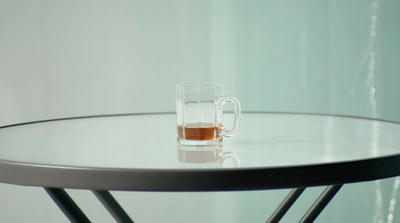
199,85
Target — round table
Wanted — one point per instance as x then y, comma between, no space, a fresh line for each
139,152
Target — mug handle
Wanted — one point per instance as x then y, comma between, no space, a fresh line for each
236,110
231,156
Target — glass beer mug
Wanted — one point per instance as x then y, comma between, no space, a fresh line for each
199,110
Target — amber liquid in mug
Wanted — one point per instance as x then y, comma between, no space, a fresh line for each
199,131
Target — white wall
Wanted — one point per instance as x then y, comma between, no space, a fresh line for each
73,58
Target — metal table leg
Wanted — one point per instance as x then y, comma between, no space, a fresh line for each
318,206
321,203
285,205
112,206
67,205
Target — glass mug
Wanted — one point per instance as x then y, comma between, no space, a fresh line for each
204,156
199,110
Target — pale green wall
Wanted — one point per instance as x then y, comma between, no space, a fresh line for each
70,58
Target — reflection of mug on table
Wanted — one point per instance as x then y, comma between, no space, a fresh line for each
199,109
204,156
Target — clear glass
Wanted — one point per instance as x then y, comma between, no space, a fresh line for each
199,109
148,141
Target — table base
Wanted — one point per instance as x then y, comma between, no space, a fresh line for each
75,214
312,213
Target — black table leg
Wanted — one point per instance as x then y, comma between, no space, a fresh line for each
67,205
112,206
320,203
285,205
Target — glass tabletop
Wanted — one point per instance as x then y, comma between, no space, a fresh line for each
139,152
148,141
